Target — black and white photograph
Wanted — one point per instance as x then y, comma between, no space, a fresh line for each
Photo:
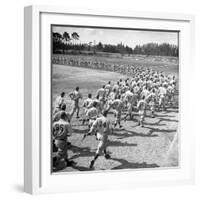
114,99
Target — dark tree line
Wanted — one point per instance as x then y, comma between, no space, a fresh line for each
164,49
67,43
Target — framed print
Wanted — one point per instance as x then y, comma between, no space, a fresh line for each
106,99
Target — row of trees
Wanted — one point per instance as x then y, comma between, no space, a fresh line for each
164,49
68,43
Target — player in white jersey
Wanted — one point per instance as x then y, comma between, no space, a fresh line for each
108,88
61,131
57,115
58,102
112,95
117,105
141,110
101,127
116,88
101,93
98,103
151,99
129,99
170,94
145,92
87,104
133,84
75,96
136,90
125,88
92,114
162,97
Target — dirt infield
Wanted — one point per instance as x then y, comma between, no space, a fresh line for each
131,146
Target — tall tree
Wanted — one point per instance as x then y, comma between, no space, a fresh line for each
57,37
66,37
75,36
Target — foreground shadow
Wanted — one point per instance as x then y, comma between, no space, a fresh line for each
118,143
82,151
168,120
80,131
128,165
129,133
152,130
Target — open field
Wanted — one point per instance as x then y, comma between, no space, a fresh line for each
66,78
129,147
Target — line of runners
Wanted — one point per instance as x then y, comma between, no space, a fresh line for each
148,89
93,63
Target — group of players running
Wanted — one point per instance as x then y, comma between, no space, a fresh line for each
148,89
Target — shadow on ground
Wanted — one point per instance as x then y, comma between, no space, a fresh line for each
128,165
129,133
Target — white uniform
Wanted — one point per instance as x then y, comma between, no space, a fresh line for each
117,106
75,96
92,114
152,101
142,109
102,126
162,95
87,103
112,95
101,93
108,89
61,131
129,99
58,102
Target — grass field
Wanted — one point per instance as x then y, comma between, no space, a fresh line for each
130,147
66,78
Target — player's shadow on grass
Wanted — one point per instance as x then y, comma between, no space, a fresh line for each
157,115
80,131
155,124
128,165
129,133
118,143
134,119
152,130
82,151
172,110
168,120
81,168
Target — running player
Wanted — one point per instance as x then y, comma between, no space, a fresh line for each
87,104
162,96
108,88
141,111
101,93
101,127
57,116
75,96
59,101
151,98
113,94
116,88
117,106
170,94
92,114
129,99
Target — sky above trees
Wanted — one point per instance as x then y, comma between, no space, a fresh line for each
116,36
